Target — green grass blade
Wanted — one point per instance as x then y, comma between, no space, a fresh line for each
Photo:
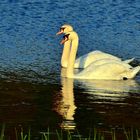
126,134
16,133
113,135
59,136
29,134
95,133
2,132
137,135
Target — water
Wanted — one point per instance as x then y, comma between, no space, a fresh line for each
33,94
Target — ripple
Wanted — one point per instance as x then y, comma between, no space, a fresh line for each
28,42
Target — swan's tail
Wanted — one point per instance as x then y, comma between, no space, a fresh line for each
134,71
129,60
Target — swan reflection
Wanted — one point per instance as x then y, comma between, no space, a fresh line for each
108,89
66,107
99,91
108,103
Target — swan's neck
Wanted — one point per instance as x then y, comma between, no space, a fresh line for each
72,57
65,54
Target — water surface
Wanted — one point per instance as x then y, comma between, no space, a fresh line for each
33,93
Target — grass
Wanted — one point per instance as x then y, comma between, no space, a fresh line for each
129,134
2,132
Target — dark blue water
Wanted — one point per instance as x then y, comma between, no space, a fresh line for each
32,90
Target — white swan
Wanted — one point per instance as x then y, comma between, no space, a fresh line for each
87,59
111,70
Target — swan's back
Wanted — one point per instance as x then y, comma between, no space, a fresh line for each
87,59
108,60
111,70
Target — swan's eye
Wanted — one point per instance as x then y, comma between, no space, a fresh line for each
66,37
62,29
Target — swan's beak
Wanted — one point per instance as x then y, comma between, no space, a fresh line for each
63,41
60,32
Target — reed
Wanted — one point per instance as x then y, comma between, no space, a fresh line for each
22,136
129,134
59,135
46,135
113,134
2,137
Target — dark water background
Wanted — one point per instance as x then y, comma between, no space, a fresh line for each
33,94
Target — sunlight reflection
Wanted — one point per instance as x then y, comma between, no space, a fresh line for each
100,91
107,89
66,106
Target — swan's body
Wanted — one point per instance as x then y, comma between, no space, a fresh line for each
87,59
99,62
112,69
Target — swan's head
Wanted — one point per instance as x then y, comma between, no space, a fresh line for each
64,29
69,36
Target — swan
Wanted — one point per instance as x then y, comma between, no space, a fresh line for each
87,59
110,70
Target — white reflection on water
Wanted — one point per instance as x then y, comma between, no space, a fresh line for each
66,106
100,91
107,89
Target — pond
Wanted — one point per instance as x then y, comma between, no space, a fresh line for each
33,93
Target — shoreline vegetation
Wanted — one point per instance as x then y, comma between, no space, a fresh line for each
125,134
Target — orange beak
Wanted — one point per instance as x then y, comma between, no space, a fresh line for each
63,41
60,32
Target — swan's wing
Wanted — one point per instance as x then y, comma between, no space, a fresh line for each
111,70
87,59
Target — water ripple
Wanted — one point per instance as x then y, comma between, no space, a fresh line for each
28,28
